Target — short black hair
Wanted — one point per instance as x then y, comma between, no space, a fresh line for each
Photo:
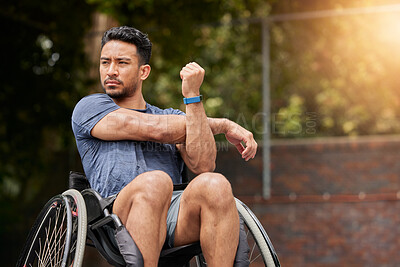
133,36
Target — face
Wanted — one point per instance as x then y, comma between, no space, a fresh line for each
120,72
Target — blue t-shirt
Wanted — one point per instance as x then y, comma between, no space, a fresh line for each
111,165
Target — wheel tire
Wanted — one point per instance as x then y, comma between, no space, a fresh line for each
261,242
262,252
81,225
58,233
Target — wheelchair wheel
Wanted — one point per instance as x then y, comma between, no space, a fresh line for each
58,235
262,253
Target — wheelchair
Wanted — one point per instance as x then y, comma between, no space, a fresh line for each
80,217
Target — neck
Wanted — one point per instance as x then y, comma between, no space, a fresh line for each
132,102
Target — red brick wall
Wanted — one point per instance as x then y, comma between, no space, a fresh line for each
335,202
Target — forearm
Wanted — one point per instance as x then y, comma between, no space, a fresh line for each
218,125
200,144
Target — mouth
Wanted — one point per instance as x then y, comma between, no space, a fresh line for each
112,82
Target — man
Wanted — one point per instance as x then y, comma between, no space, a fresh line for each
136,151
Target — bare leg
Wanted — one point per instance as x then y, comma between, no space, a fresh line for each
142,207
208,213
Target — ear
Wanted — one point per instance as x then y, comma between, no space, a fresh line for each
144,71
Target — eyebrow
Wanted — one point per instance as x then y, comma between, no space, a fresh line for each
118,58
123,58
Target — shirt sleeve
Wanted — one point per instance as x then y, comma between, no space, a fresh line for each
171,111
89,111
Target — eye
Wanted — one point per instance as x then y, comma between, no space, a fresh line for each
103,62
123,62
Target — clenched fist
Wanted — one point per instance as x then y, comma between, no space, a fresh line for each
192,76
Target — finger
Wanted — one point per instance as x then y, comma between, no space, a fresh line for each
184,73
250,151
197,66
189,71
192,66
240,148
188,67
255,149
248,145
247,153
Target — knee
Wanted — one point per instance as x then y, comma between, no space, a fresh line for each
215,189
156,180
153,188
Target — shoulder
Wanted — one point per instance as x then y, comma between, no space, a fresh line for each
93,106
169,111
94,99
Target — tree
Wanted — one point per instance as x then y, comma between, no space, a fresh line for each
342,69
328,76
43,75
211,33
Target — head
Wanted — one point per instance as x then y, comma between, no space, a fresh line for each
133,36
125,54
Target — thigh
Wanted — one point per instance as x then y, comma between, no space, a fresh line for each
123,199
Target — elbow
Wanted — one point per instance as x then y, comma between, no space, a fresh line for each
209,167
203,169
202,159
200,167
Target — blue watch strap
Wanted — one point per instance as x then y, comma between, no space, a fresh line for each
191,100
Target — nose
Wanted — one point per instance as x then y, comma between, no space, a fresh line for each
112,70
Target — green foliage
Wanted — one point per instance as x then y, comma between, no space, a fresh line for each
289,121
43,75
343,67
208,32
43,60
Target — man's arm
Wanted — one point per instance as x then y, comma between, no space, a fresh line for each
241,138
126,124
199,151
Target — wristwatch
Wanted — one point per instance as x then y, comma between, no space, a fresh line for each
191,100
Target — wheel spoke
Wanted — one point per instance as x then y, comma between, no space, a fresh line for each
253,260
252,251
51,247
53,233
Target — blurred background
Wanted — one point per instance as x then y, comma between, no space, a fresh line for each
315,81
